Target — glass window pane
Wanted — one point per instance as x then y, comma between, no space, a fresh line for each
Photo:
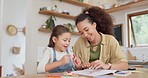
140,26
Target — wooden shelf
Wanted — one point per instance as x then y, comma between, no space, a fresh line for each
47,30
119,8
127,6
41,29
48,12
74,2
75,33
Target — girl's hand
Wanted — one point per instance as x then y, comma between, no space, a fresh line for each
65,59
76,60
98,64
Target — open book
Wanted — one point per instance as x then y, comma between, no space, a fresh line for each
93,72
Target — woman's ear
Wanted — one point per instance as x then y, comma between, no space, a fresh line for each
94,24
54,39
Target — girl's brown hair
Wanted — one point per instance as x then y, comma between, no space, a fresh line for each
58,30
95,14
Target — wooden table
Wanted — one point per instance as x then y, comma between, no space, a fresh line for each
138,73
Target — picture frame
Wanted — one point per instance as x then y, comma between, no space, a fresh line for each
118,33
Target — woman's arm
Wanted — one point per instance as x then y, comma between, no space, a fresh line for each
120,66
118,58
99,64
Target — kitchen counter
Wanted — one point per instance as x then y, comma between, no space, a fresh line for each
138,62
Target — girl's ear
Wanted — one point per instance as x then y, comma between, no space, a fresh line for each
54,39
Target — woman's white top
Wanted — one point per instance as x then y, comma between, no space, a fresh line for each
48,58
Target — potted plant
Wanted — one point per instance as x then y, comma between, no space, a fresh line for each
50,22
70,26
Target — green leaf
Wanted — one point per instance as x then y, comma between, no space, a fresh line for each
50,22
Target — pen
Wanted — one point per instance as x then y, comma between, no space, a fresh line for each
122,73
75,60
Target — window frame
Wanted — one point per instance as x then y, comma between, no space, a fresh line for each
130,27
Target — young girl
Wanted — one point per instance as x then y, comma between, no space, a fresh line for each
57,56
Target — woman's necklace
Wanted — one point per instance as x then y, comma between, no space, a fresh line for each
94,47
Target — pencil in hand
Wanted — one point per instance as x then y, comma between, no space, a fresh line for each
75,59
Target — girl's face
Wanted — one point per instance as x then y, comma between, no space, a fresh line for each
87,30
62,42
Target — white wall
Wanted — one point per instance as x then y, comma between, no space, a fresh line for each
14,13
1,14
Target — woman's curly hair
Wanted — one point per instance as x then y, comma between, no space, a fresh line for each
95,14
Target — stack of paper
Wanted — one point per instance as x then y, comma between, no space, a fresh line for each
93,72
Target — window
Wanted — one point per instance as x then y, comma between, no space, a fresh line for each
138,29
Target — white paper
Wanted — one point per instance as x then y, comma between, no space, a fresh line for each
93,72
105,76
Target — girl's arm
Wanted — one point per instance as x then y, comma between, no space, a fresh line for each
44,60
65,59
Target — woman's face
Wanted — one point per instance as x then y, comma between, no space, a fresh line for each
62,42
87,30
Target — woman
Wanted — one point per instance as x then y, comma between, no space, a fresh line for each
97,47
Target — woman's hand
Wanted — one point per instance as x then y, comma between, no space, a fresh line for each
98,64
65,59
85,65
